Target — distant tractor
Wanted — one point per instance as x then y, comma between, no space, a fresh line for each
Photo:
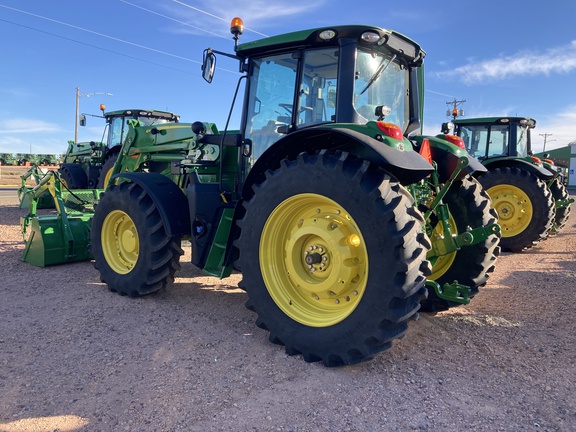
8,159
528,193
88,164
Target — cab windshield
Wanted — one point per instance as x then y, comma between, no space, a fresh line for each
119,127
381,86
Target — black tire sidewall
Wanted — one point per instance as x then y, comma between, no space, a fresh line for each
127,198
381,239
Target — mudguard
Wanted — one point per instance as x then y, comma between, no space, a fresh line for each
407,166
500,162
168,197
446,156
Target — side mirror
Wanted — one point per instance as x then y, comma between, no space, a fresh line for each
331,99
82,120
208,65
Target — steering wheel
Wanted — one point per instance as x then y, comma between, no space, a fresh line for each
287,107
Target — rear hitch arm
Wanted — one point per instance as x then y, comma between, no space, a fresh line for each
443,245
454,292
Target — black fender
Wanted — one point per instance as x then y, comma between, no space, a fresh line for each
503,162
168,197
407,166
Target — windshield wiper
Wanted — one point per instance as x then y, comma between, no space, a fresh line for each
378,72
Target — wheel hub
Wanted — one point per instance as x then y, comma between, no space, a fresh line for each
313,260
316,258
514,208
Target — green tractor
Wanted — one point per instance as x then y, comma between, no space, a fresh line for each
325,199
529,194
87,165
8,159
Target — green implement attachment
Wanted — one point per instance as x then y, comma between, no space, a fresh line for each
62,235
44,201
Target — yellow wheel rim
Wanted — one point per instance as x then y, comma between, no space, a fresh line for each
107,177
120,242
514,208
443,262
313,260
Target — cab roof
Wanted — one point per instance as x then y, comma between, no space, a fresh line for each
398,43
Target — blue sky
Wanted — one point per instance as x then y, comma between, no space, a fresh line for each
502,57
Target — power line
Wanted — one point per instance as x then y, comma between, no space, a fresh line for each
101,34
214,16
173,19
545,135
455,112
105,36
97,47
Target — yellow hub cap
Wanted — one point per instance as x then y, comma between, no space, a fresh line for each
120,242
313,260
443,262
514,208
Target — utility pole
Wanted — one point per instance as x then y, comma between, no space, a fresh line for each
78,108
545,135
455,112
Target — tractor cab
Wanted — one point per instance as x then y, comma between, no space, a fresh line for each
361,78
486,138
118,122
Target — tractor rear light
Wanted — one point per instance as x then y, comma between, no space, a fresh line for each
425,151
391,130
456,140
536,159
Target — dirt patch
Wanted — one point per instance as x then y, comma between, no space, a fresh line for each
11,175
74,356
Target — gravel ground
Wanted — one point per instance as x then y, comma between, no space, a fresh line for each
74,356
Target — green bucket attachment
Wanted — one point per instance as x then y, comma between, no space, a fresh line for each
54,241
62,236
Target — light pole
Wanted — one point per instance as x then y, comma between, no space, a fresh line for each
78,108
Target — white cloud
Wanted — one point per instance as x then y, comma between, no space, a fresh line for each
562,126
555,60
214,17
21,125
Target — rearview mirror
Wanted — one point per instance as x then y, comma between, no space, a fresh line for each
208,65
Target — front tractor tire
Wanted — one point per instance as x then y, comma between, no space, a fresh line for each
333,257
131,250
524,205
73,176
106,171
469,207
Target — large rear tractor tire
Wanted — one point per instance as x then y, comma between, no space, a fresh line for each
333,257
106,171
524,205
469,207
73,176
559,193
132,252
